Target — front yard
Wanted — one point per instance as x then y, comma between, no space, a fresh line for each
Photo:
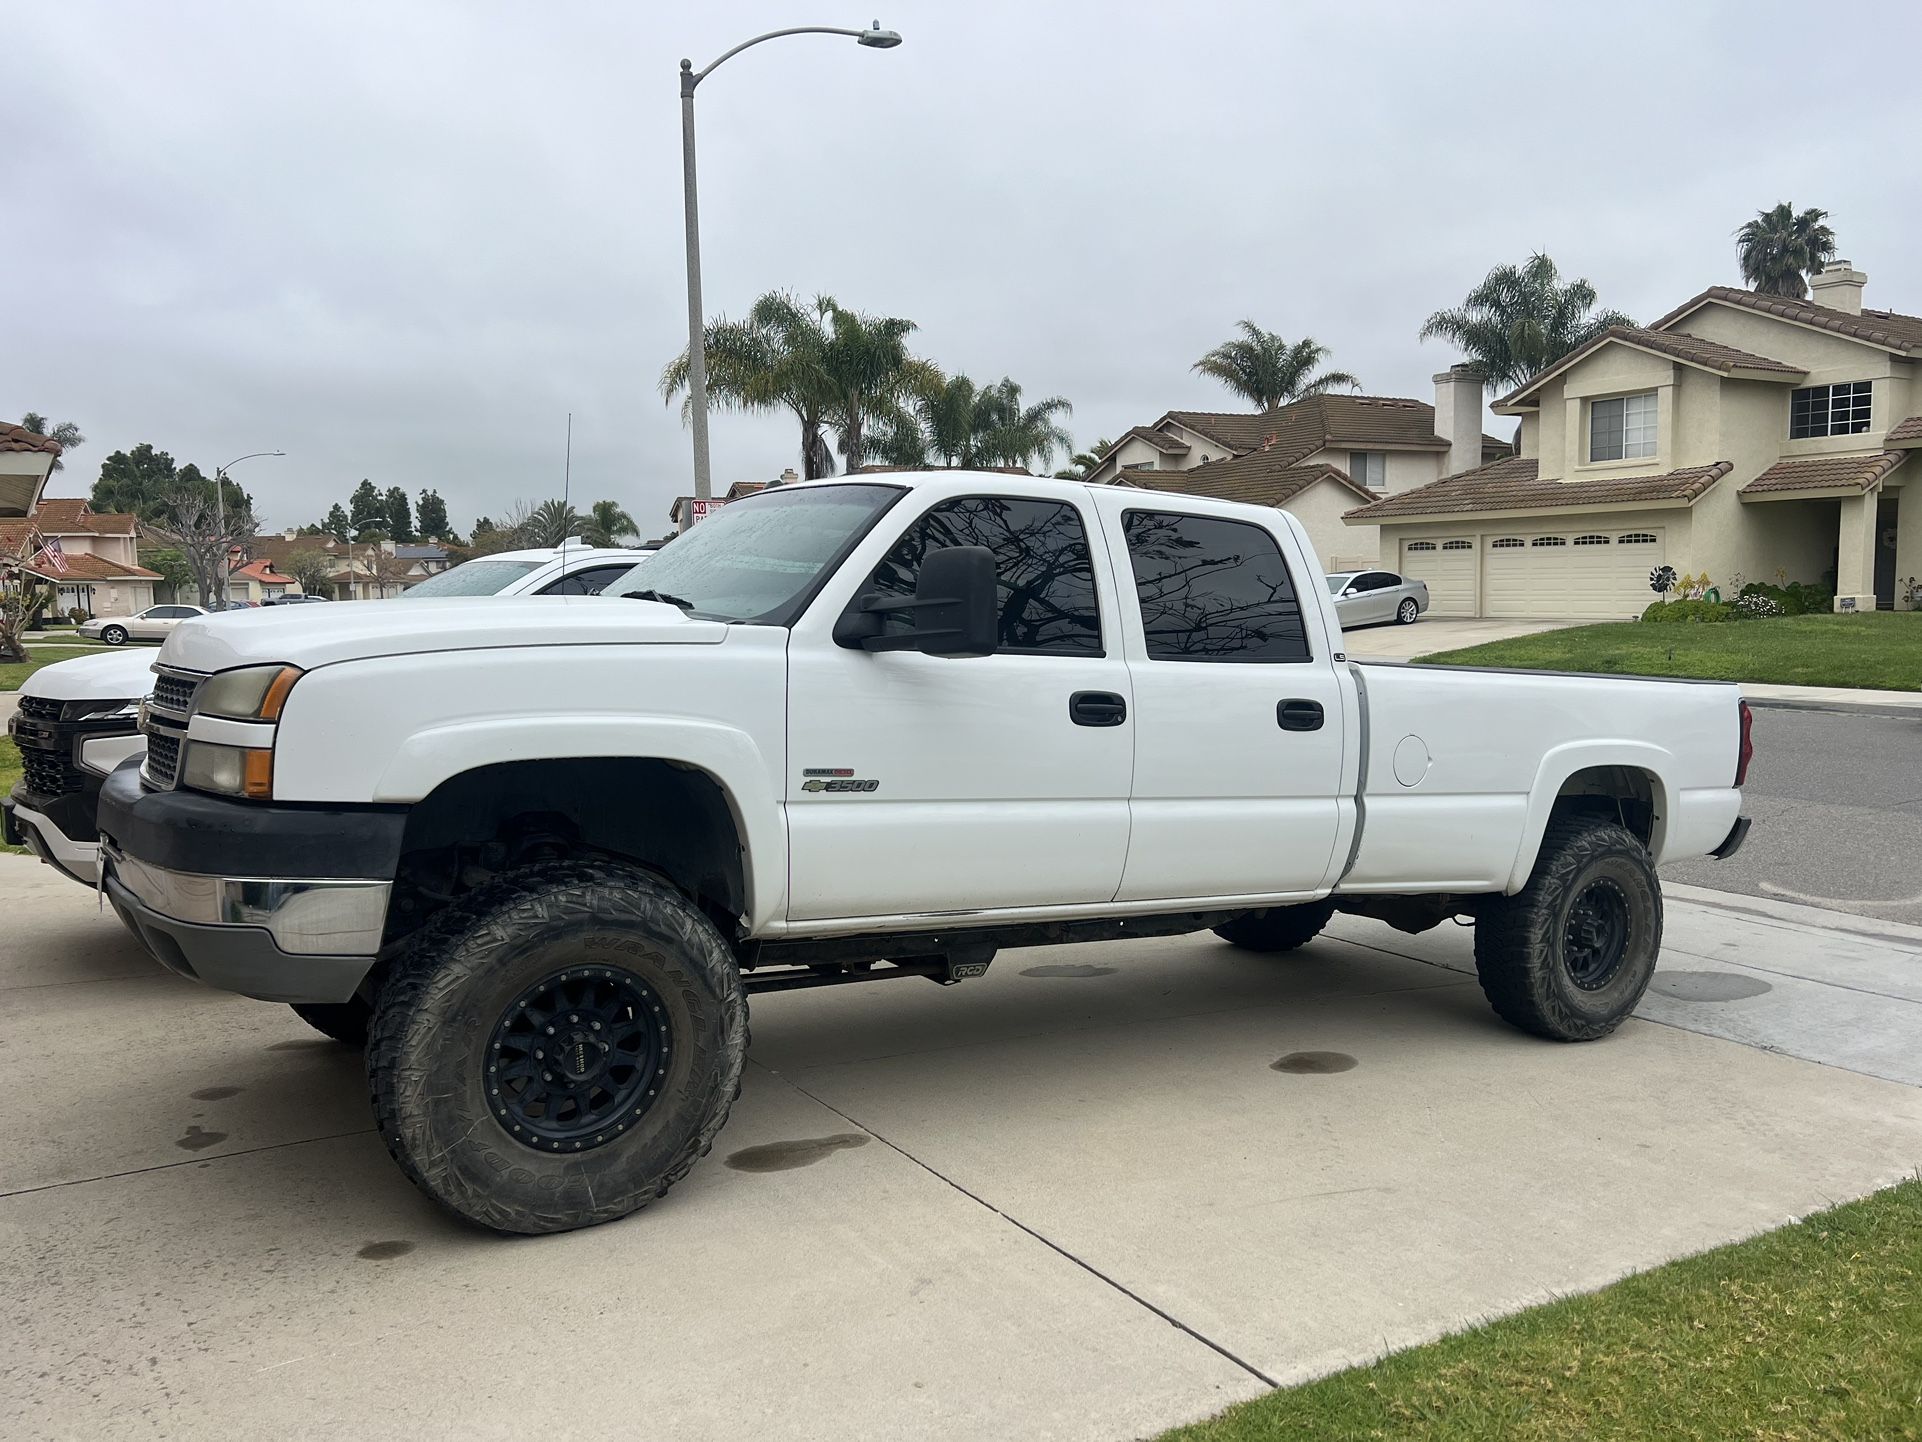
1813,1331
1882,651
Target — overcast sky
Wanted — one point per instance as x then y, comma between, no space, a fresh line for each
403,241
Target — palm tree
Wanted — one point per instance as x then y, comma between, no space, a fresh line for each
1082,463
1783,246
1521,319
1011,434
550,524
835,369
1265,369
66,434
606,523
951,421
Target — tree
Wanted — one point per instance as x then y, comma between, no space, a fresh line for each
66,434
1082,463
21,600
605,524
313,569
430,517
1263,368
400,514
950,421
549,524
367,510
338,524
1521,319
142,481
172,567
189,520
1781,248
834,368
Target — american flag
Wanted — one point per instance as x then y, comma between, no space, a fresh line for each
50,552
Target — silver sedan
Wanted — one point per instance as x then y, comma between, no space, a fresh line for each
1365,598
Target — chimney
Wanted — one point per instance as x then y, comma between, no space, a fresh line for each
788,477
1458,416
1839,287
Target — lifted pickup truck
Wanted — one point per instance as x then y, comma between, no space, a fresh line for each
845,731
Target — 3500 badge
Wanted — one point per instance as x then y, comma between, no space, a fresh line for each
840,783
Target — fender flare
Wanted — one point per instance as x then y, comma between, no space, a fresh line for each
727,756
1562,762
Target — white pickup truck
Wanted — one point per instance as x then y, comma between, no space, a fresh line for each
844,731
77,720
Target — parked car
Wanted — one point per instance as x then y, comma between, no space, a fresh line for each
78,719
300,600
155,623
1367,598
841,731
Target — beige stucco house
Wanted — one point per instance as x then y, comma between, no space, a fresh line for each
92,565
1748,437
1314,458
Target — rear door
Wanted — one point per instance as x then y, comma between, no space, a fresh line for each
1238,720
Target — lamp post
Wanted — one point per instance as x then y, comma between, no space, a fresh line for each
220,510
875,38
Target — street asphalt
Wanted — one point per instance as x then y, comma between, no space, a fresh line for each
1837,801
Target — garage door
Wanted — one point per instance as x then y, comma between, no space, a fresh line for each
1575,571
1448,566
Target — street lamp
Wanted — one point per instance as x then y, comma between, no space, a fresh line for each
875,38
220,510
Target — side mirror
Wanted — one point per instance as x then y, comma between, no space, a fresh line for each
955,610
1348,591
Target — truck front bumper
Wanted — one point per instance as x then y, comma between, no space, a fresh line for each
280,903
22,823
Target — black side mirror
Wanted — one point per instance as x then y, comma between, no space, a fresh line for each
955,610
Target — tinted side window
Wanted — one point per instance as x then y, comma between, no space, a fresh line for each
1378,581
1040,559
590,582
1212,590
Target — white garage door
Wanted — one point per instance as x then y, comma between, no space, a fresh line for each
1448,566
1574,571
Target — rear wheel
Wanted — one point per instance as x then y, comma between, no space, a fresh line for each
1569,956
1281,928
114,635
344,1021
558,1049
1407,611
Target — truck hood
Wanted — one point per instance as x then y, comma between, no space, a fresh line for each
360,630
114,676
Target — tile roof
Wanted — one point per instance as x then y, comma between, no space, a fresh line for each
264,572
71,516
1160,440
19,438
1909,432
1515,485
1886,328
1710,355
1825,473
1302,427
1262,478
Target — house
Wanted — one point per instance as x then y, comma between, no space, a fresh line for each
1745,437
1315,457
92,562
363,571
258,581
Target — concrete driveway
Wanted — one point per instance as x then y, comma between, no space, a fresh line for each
1103,1190
1400,643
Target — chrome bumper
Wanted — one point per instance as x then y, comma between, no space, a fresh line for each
305,918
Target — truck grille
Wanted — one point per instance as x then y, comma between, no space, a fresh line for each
39,708
174,691
48,773
163,758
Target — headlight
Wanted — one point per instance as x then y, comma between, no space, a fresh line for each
228,770
252,693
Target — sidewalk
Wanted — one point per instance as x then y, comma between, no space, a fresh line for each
1831,698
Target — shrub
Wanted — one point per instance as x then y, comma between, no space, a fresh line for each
1797,598
79,615
1678,612
1752,607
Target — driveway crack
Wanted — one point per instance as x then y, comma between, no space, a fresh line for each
1048,1242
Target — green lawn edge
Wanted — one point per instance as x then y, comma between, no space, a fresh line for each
1879,652
14,673
1811,1331
10,771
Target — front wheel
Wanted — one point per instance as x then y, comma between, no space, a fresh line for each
1407,611
558,1049
114,635
1569,956
1281,928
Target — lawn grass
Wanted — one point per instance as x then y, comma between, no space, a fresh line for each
12,673
9,776
1881,651
1813,1331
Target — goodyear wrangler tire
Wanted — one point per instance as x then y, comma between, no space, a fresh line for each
1569,956
344,1021
558,1049
1281,928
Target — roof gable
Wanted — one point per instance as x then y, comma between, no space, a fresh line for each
1887,329
1707,355
1262,478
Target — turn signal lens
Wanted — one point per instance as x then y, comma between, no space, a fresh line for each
1746,752
276,696
258,772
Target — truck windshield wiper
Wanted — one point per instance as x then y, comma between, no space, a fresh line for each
658,596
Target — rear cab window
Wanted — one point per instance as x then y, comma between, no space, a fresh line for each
1212,589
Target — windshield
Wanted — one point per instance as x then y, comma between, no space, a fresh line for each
484,577
758,559
1339,583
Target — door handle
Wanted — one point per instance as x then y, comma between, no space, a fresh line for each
1298,715
1097,708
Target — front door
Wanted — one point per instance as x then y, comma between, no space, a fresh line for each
1238,722
926,784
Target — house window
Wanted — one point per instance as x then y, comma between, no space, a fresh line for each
1591,540
1549,541
1458,545
1507,543
1369,468
1829,410
1622,428
1635,538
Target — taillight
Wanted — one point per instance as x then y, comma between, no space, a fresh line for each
1746,753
